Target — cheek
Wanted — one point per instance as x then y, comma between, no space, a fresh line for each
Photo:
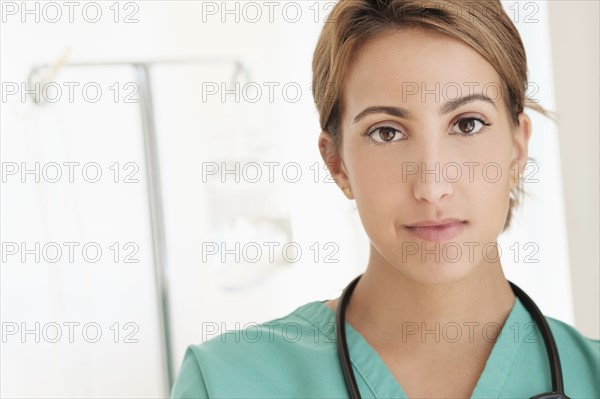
376,176
490,191
376,179
488,194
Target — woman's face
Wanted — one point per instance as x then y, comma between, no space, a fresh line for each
429,156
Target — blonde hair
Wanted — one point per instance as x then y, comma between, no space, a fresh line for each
483,25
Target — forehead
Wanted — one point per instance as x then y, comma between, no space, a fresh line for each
389,68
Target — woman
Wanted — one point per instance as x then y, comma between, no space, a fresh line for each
421,106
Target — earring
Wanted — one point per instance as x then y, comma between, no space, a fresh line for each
348,192
517,178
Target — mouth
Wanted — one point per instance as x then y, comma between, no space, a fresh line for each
437,231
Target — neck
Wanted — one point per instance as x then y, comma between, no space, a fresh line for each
386,305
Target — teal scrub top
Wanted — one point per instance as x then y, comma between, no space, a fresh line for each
296,357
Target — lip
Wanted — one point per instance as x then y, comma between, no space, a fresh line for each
437,231
441,222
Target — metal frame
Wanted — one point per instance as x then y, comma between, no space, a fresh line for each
155,201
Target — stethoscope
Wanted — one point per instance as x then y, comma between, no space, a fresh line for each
555,369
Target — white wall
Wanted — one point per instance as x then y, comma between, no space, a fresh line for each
575,58
193,132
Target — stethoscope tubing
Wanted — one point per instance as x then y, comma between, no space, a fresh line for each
538,317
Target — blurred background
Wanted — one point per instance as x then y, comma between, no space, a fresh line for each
161,183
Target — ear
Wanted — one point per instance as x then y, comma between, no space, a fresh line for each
332,158
521,143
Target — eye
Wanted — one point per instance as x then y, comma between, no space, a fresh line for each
470,126
383,134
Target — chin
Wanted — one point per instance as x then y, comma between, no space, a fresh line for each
435,273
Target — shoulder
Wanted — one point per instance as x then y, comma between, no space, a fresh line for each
296,331
239,359
576,344
579,357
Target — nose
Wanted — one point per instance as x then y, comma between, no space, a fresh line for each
434,180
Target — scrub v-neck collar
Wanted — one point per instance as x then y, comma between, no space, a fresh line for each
370,367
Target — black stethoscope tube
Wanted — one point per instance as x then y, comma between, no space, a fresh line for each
538,317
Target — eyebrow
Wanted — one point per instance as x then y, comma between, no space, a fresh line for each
404,113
